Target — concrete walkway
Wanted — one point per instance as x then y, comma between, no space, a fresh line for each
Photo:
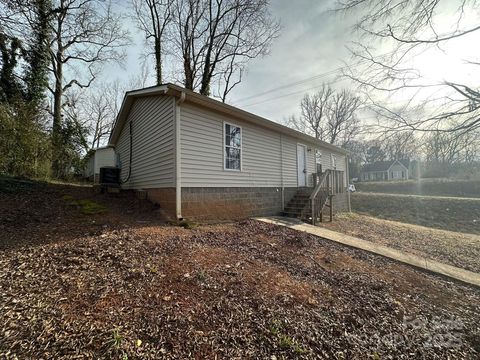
453,272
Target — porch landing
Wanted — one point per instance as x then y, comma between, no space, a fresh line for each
436,267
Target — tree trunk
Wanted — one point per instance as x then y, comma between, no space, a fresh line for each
158,59
57,171
188,73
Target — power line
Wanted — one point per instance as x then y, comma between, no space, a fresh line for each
299,82
306,80
289,94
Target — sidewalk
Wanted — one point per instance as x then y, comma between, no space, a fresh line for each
453,272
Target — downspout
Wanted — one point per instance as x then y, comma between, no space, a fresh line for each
281,172
348,184
178,158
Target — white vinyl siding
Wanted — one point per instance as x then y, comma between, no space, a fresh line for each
289,168
153,163
202,153
104,157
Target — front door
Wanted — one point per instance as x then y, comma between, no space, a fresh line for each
302,165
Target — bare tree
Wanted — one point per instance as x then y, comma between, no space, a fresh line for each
216,37
329,116
314,113
343,124
400,145
86,34
450,148
411,28
153,18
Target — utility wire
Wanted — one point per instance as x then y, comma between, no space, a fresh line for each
306,80
289,94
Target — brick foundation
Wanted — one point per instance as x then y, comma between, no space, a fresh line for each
229,203
165,197
222,203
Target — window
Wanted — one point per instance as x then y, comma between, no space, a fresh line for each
233,147
318,161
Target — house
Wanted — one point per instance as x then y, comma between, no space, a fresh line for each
100,157
199,158
386,171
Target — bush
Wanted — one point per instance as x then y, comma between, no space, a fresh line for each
24,142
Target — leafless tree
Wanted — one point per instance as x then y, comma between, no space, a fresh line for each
343,123
86,34
411,28
216,37
400,145
153,18
329,116
449,148
93,113
314,113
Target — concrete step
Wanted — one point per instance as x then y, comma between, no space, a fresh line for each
296,208
296,213
301,196
298,203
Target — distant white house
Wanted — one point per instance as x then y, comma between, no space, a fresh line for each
200,158
386,170
104,156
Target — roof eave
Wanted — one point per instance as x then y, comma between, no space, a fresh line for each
247,116
175,90
126,105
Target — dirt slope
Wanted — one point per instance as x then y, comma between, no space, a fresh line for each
135,289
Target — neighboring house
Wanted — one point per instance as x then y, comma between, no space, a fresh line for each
98,158
199,158
386,170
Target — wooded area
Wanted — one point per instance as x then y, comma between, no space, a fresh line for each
53,107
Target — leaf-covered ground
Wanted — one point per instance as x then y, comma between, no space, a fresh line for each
121,285
454,248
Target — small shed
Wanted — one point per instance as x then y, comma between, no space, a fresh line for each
101,157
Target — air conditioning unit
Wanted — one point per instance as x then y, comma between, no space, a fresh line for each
109,176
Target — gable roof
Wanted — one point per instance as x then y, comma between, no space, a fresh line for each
202,100
377,166
384,165
405,162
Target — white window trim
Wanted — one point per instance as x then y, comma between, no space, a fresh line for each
224,146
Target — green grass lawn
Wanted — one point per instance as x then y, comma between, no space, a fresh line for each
460,215
432,187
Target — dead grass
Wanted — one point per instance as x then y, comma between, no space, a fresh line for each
429,187
457,249
448,214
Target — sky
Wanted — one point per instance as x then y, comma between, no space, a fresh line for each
312,42
312,45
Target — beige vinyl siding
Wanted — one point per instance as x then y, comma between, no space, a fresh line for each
202,152
266,154
153,163
289,161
